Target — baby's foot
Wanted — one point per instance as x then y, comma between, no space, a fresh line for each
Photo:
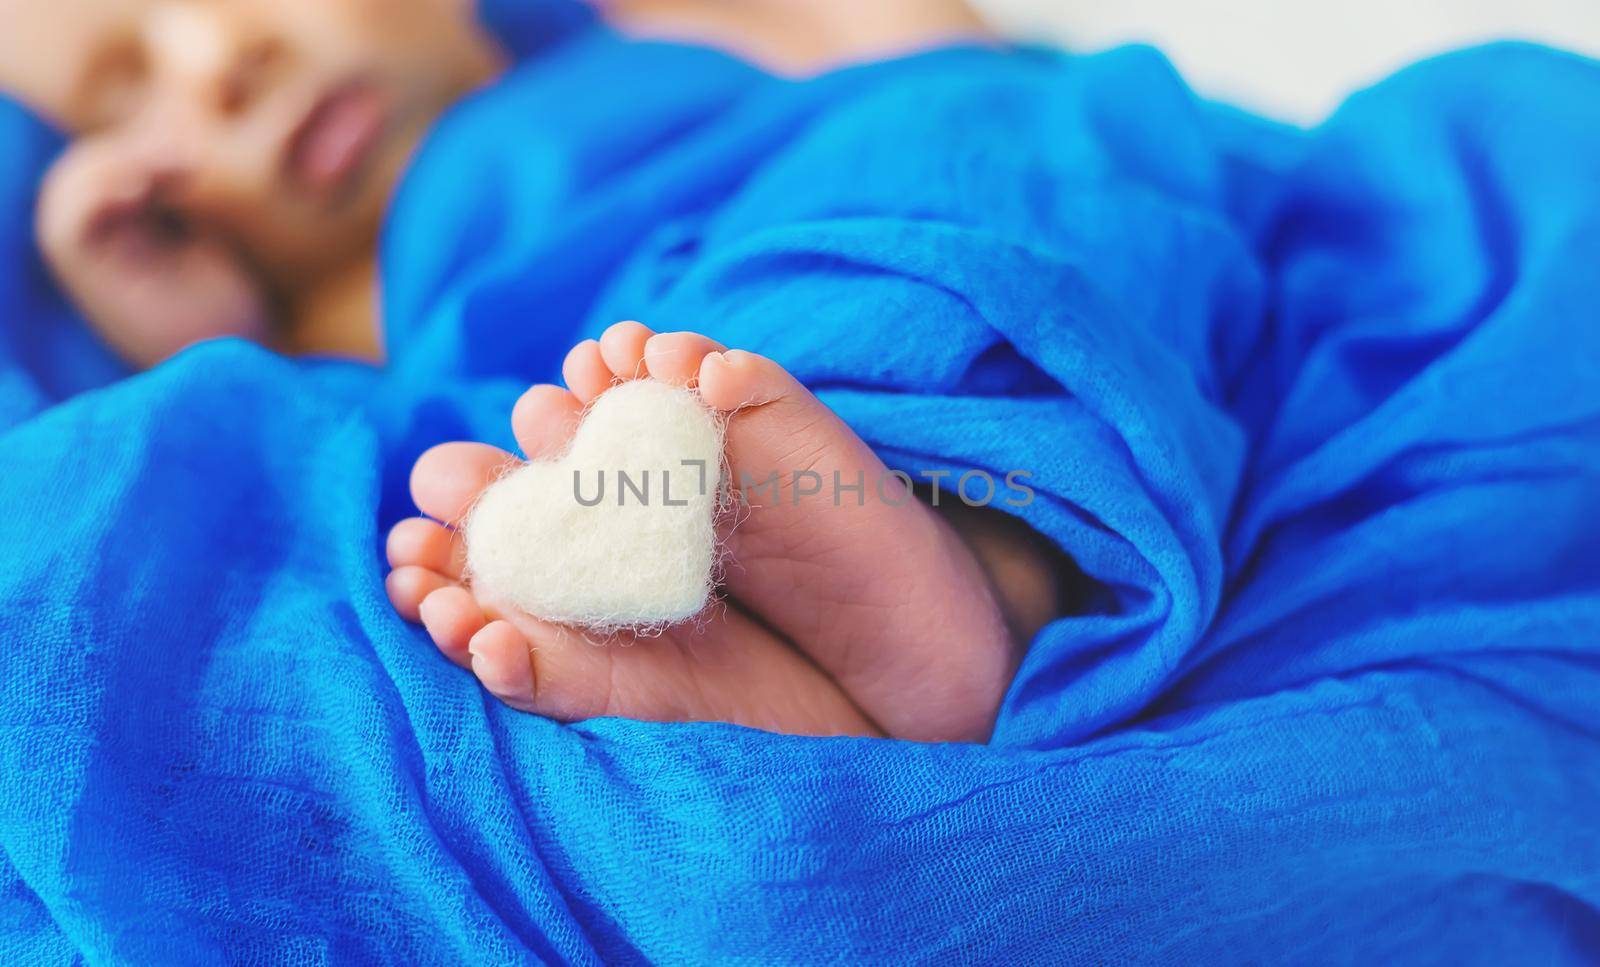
849,611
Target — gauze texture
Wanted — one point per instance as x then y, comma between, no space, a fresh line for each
619,531
1316,413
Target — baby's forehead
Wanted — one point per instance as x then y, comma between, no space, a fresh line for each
49,44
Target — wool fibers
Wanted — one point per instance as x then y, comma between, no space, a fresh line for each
619,531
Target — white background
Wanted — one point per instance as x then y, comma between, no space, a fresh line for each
1292,59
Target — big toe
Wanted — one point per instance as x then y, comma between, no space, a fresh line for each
675,357
448,478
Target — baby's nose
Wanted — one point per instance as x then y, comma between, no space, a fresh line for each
223,62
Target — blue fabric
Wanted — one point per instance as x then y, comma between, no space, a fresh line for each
525,27
46,352
1317,414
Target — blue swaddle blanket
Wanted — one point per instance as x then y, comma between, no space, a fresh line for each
1317,415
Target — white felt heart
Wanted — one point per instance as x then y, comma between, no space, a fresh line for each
619,532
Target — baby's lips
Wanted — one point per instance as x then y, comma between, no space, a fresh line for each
336,138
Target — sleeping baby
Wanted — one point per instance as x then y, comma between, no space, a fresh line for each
229,167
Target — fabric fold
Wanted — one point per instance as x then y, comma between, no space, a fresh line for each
1313,413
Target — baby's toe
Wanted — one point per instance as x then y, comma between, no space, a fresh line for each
452,616
736,379
409,586
674,357
544,420
585,371
622,348
499,656
420,542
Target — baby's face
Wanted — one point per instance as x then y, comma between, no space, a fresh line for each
279,126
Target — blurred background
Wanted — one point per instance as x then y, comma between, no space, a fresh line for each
1297,60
